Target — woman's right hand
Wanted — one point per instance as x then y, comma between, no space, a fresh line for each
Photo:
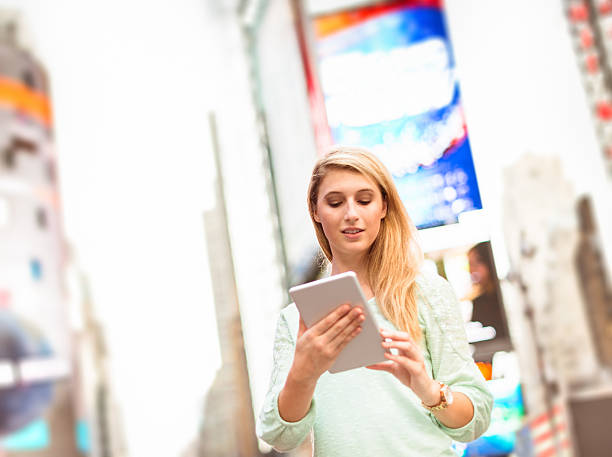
318,347
316,350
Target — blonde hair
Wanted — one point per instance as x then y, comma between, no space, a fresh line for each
395,256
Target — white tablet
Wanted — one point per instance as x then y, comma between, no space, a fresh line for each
316,299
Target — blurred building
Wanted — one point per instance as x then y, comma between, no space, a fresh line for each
228,427
37,402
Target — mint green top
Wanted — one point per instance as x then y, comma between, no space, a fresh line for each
364,412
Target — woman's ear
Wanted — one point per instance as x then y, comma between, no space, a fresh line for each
315,216
384,208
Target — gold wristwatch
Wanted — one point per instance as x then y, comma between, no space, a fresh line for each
446,399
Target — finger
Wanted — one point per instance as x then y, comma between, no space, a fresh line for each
342,333
348,339
324,324
404,362
381,366
407,348
389,367
345,325
396,335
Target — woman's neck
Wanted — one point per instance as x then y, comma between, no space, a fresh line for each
360,269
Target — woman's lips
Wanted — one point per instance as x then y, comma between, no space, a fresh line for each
352,232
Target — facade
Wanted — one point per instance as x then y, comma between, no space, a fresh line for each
35,335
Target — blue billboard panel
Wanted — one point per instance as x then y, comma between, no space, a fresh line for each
389,84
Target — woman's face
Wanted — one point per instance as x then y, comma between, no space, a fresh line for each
479,271
349,208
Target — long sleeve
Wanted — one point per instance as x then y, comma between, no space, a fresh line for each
451,360
271,427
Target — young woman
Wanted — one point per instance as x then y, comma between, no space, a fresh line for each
416,402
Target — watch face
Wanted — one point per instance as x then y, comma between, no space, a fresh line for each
448,394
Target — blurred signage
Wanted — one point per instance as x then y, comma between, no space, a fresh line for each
33,437
547,435
388,83
591,30
506,419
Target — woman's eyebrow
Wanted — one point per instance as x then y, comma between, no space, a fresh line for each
333,193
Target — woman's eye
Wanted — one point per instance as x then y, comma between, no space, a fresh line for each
334,204
364,202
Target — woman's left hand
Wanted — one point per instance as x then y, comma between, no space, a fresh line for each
408,366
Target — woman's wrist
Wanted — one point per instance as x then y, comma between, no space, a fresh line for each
295,398
432,396
300,380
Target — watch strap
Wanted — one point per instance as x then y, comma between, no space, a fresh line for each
443,400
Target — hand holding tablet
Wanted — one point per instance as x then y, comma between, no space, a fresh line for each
316,300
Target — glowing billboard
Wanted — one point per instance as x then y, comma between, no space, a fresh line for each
388,83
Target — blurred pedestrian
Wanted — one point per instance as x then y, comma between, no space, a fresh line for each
485,298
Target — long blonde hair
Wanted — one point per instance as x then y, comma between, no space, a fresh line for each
395,256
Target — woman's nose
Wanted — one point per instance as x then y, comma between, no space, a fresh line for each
351,211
